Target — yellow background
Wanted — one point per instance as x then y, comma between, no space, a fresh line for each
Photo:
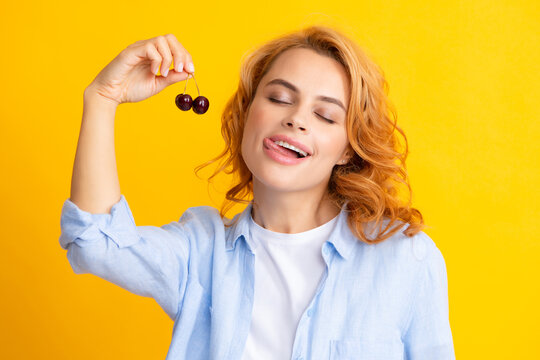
464,77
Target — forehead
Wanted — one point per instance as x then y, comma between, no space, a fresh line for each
312,73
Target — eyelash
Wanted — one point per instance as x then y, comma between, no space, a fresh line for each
282,102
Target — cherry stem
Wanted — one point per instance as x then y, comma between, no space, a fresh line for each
186,84
198,92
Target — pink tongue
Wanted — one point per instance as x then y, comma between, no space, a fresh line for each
287,152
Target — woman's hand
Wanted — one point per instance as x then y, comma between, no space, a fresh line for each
132,75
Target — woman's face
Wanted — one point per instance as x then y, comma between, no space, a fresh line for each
302,101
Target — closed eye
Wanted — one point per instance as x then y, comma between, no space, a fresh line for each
277,101
329,121
283,102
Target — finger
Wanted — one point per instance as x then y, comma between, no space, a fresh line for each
162,46
186,56
178,52
190,68
143,51
174,77
149,51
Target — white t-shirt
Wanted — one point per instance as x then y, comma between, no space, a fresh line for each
288,269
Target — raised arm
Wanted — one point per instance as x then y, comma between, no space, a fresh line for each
129,77
98,228
94,184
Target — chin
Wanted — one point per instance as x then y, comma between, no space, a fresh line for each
280,178
282,181
271,179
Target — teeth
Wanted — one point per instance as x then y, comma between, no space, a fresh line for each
288,146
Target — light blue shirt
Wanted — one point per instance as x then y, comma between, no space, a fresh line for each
385,301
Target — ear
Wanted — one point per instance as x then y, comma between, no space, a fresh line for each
346,156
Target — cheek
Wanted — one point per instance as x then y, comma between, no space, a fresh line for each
256,116
333,145
254,127
245,143
249,138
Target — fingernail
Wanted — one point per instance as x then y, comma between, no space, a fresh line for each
190,67
165,72
179,67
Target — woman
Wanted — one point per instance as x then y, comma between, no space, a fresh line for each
324,262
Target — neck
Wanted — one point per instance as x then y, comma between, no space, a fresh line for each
291,212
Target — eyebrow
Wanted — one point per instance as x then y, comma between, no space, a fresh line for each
295,89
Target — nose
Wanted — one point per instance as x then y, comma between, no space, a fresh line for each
294,121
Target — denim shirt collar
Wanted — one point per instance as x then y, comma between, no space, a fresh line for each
341,237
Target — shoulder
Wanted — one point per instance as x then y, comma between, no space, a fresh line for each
419,248
199,213
200,220
421,251
415,259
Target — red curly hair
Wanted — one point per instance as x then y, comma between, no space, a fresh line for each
369,182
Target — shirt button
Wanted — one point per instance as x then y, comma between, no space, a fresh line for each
309,313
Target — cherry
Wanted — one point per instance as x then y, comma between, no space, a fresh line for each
184,102
200,105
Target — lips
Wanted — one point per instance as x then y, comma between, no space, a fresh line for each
281,150
280,154
291,142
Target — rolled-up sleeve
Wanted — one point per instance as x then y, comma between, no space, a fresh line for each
428,335
148,261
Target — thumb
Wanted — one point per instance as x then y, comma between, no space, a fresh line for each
172,77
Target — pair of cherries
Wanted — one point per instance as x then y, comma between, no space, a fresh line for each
184,102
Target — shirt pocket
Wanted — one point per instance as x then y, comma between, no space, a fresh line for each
366,350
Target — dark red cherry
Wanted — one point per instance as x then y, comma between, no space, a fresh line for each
183,101
200,105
